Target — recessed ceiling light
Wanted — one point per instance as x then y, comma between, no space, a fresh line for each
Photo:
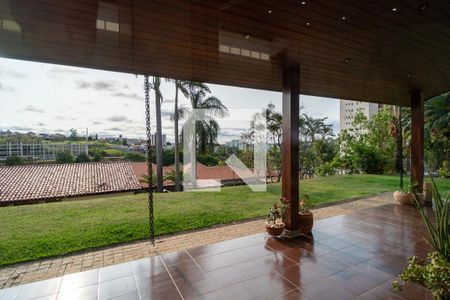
269,11
424,6
347,60
308,24
343,18
303,2
247,36
394,9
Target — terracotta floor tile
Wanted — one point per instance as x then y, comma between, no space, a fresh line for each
353,255
326,289
269,285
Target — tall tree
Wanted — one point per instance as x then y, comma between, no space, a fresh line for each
159,146
437,123
183,87
314,134
274,128
206,130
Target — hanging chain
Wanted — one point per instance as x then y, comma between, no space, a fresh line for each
149,160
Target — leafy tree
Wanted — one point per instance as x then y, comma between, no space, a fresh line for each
274,161
207,159
171,175
368,147
275,132
64,158
437,123
73,134
97,157
14,160
81,158
315,135
207,130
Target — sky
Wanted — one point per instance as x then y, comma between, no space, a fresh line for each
48,98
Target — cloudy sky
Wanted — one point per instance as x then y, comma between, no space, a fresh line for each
53,98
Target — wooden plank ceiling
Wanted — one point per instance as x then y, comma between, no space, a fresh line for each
370,50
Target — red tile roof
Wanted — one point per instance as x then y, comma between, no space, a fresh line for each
203,172
140,169
31,183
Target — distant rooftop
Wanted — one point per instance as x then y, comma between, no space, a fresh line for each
33,183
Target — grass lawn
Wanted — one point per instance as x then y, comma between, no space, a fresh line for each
36,231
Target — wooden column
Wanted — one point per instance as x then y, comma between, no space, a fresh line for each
417,129
290,147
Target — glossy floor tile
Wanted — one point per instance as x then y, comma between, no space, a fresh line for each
352,256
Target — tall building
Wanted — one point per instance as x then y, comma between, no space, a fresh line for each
349,109
164,139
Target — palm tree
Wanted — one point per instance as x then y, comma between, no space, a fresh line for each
206,130
436,129
437,119
159,146
183,87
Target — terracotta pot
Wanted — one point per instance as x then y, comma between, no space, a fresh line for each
275,231
403,198
306,222
407,198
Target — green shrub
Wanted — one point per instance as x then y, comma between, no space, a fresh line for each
64,158
207,159
82,158
97,157
135,157
433,273
443,170
326,169
14,160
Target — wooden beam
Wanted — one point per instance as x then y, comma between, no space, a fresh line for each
290,143
417,138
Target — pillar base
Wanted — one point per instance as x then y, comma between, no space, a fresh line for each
290,234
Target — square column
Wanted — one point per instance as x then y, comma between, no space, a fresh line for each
290,144
417,138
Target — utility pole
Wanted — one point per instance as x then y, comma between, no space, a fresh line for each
87,139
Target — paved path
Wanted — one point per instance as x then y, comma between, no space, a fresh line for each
54,267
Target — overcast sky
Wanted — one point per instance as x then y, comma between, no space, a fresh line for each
53,98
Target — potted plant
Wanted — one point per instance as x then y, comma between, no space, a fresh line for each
405,196
306,217
433,272
274,219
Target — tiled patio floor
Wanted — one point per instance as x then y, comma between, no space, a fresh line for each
353,256
94,259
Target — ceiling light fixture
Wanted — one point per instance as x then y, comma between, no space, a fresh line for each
247,36
424,6
408,75
394,9
343,18
308,24
269,11
303,2
347,60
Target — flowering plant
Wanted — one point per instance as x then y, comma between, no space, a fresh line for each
305,205
276,214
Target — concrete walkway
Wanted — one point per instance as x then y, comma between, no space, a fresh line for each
54,267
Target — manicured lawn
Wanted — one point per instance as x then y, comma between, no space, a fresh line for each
42,230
